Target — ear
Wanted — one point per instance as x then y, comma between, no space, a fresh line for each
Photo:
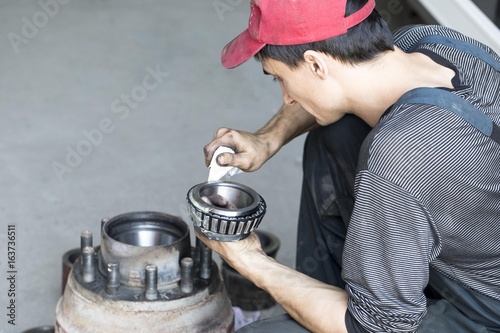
317,63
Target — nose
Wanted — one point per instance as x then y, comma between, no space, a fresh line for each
286,98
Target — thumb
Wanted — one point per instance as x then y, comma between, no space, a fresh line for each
226,159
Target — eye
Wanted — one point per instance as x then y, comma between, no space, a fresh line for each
275,79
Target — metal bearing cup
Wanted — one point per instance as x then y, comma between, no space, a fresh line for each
221,223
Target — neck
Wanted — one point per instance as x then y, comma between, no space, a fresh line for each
394,73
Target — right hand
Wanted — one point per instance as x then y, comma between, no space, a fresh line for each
251,150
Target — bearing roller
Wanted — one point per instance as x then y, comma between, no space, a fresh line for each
229,223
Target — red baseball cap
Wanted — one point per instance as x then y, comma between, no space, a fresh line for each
289,22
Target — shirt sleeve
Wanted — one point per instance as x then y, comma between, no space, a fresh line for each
389,244
352,325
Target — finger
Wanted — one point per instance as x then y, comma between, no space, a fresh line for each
238,160
226,159
219,200
209,151
222,202
221,138
231,206
201,237
220,132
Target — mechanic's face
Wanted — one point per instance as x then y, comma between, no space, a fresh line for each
317,95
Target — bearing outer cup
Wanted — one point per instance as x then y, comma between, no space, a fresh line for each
222,224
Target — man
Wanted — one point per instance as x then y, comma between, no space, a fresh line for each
399,226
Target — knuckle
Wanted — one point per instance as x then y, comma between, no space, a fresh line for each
221,131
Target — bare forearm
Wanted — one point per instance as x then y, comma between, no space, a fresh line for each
317,306
288,123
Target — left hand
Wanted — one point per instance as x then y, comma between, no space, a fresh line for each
235,253
219,201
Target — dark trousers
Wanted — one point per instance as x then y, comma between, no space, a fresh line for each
329,165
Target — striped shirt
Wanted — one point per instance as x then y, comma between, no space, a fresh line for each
427,192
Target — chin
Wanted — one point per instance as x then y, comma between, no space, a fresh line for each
326,122
323,123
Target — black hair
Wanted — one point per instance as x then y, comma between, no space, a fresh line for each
362,42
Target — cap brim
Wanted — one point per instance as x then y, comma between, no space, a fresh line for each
240,49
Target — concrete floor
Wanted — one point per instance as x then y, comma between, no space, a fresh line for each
76,70
89,132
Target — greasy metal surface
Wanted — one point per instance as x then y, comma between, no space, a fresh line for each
245,199
207,309
247,208
102,301
140,238
68,260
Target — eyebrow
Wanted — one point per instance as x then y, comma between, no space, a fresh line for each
266,72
